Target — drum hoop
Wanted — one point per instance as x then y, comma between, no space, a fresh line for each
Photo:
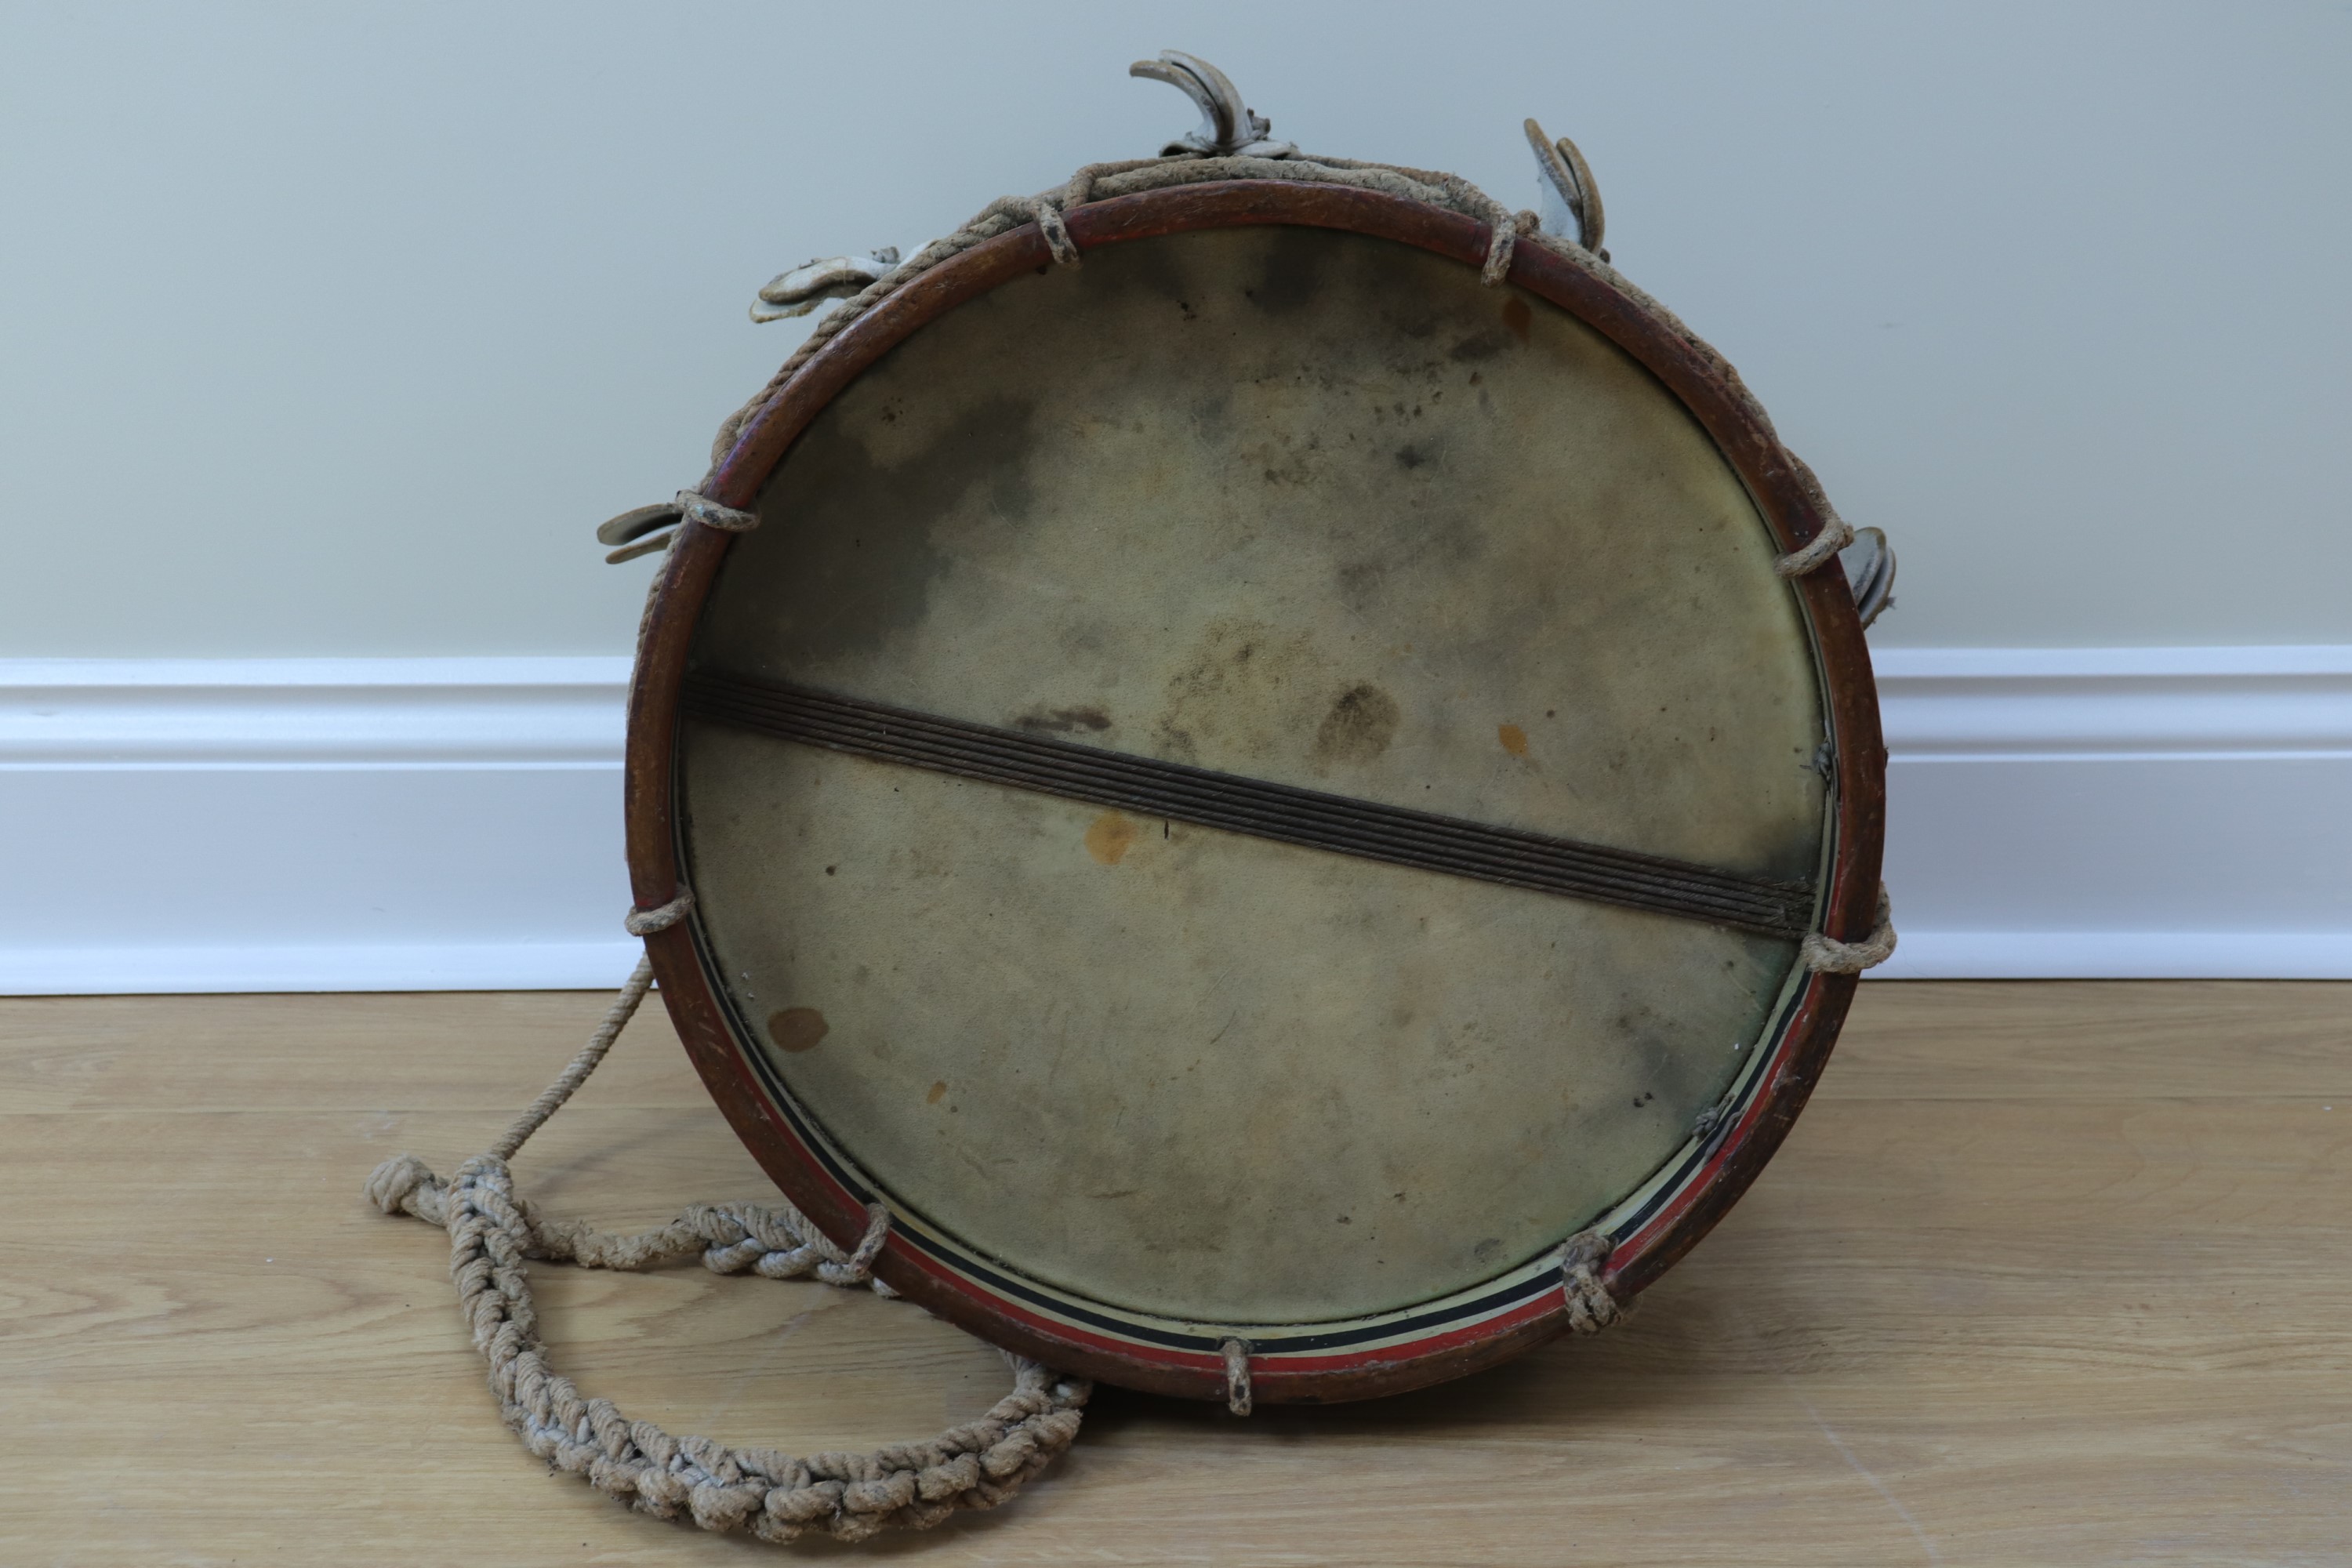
1810,1011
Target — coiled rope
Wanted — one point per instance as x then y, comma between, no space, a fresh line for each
493,1232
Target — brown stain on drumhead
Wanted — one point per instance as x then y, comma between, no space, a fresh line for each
1360,726
1111,837
1518,317
937,1089
1514,738
797,1028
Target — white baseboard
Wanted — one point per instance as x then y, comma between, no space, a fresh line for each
2120,956
312,825
2119,812
486,964
447,823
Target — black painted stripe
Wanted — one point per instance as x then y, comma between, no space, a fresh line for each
1148,786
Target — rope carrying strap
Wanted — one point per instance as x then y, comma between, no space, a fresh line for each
492,1231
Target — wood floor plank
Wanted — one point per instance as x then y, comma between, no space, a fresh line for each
2049,1039
450,1051
2048,1273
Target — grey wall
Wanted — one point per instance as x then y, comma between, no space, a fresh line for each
334,331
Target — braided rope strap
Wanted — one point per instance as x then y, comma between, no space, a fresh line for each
493,1231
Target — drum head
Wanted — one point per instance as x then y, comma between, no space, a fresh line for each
1250,788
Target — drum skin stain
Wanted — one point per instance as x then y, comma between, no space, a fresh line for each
1111,837
1514,738
797,1028
1360,726
1518,317
936,1089
860,584
1292,270
1478,346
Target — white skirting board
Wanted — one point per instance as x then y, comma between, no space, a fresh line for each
2124,813
455,824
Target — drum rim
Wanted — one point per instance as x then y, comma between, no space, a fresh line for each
1693,374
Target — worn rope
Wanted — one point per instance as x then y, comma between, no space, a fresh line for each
661,916
1590,1307
493,1230
1836,533
551,1099
1237,1376
1099,181
1822,548
695,506
1827,955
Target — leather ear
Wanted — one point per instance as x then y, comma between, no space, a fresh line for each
638,521
1570,198
1228,126
809,285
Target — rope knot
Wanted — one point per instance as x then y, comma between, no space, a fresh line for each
644,922
1827,955
1057,231
696,507
858,1269
1590,1307
1499,249
1835,535
484,1174
1238,1398
406,1183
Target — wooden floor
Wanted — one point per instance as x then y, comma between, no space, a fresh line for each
2048,1274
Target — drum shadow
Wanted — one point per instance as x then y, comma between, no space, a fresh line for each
1685,1370
1570,1383
1745,1311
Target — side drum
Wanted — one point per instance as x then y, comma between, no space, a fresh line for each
1293,810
